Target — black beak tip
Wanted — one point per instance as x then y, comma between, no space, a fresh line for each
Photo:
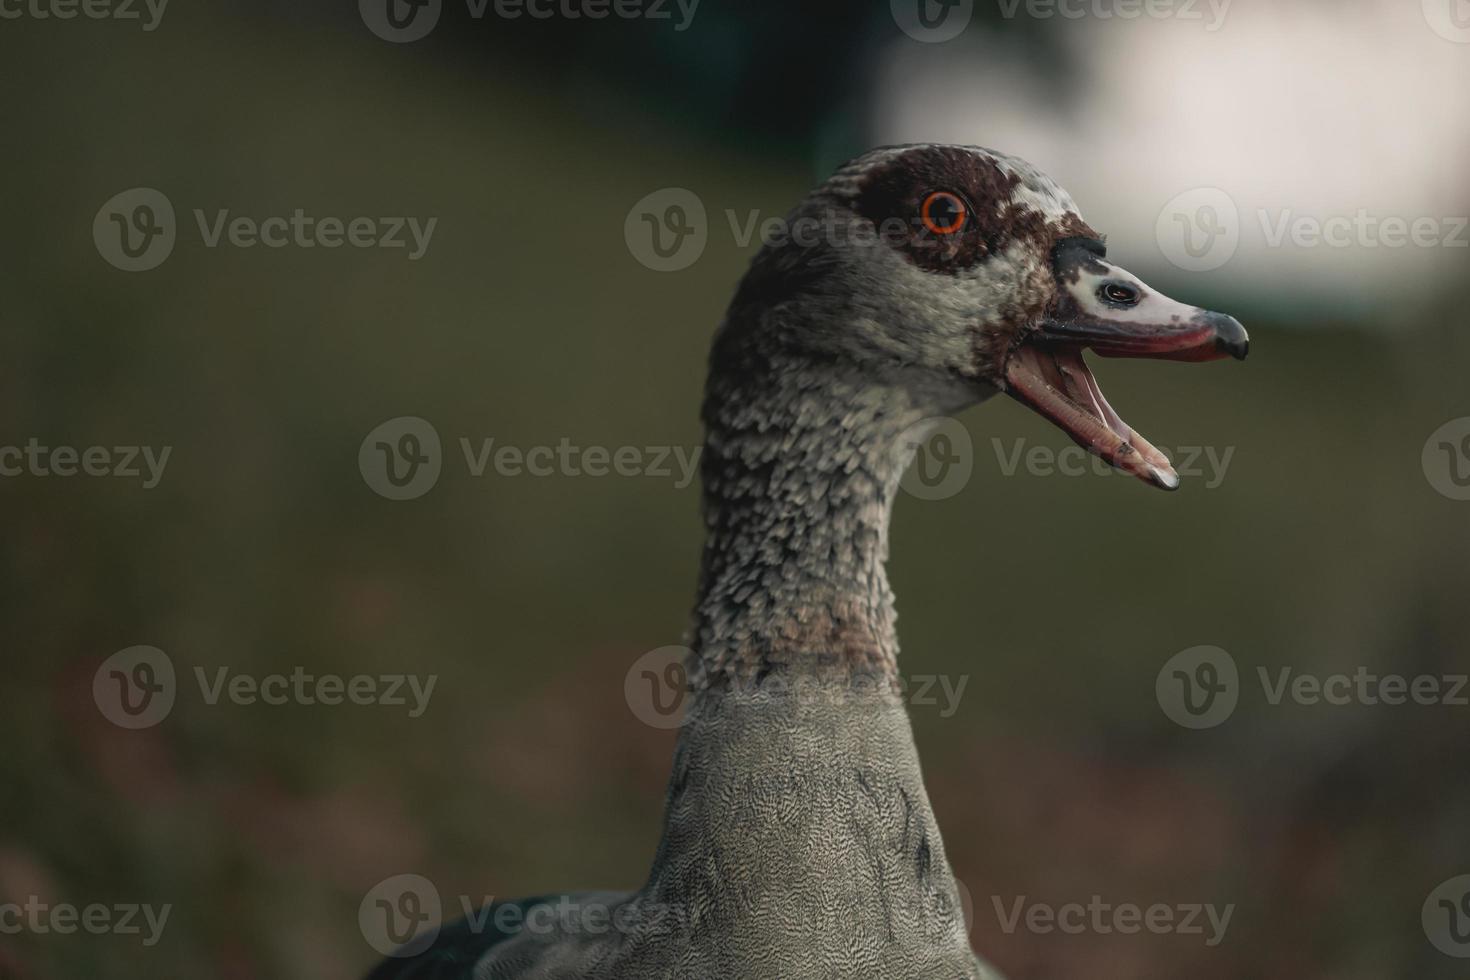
1230,336
1237,349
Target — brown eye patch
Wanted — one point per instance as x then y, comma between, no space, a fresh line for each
937,205
948,208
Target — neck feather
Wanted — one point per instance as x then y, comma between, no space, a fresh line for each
801,466
796,795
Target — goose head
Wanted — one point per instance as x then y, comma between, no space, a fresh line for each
954,273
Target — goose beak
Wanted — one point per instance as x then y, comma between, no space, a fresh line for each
1106,309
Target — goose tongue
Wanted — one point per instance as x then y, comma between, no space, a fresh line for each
1054,380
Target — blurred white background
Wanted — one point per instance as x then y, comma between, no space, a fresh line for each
1347,121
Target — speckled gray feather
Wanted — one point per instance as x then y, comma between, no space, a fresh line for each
799,841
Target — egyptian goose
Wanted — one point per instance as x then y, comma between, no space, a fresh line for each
798,841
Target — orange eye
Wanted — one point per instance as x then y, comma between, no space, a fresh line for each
944,213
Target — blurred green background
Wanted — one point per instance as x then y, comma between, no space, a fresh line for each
1324,549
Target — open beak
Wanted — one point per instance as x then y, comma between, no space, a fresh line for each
1105,308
